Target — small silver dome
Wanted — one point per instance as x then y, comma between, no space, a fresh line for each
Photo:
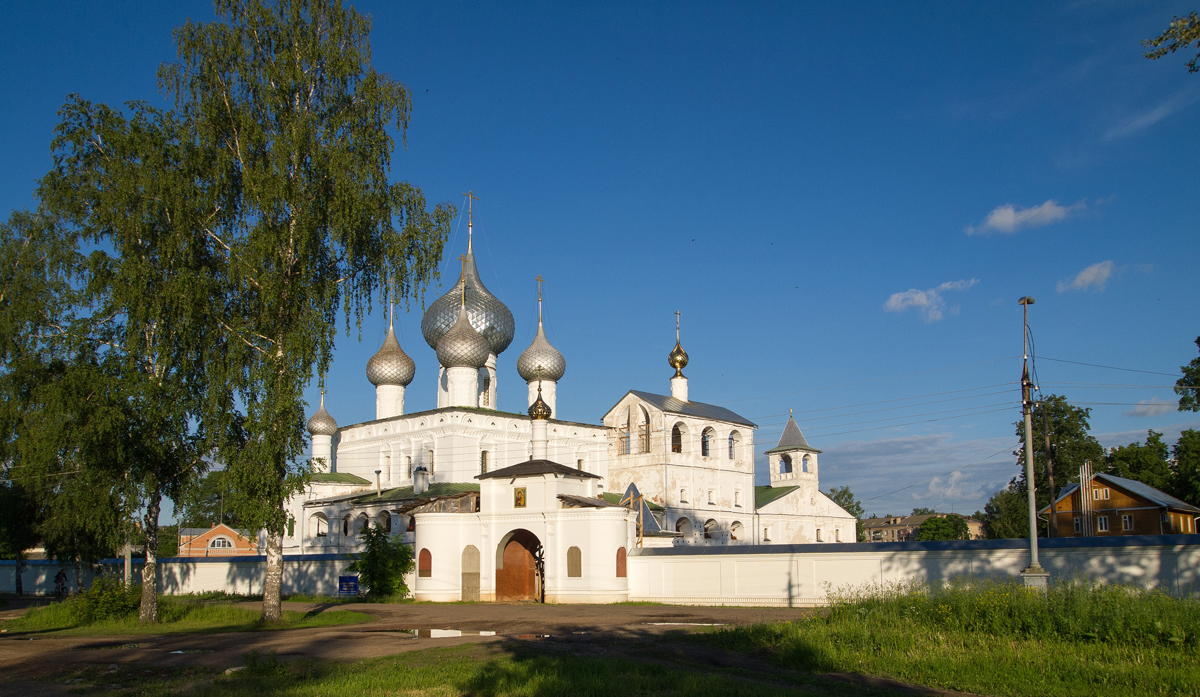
321,423
390,365
488,315
541,355
462,346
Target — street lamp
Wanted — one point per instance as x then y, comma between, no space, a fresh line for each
1034,576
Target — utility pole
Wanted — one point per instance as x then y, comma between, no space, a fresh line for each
1034,576
1053,530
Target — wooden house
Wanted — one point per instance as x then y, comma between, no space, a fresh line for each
1108,505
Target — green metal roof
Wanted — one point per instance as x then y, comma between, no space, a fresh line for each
337,478
405,493
616,499
766,494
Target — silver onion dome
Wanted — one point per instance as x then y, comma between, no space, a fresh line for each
321,423
541,360
462,346
390,365
488,315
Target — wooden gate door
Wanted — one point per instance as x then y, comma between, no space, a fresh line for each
470,574
517,579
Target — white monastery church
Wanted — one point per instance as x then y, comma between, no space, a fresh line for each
502,506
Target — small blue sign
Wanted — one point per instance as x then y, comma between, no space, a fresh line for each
348,585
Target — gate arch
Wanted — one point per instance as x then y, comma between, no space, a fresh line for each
520,567
470,574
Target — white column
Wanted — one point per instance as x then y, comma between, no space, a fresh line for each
322,453
679,388
462,387
389,401
539,438
549,390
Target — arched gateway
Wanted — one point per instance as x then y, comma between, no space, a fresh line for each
519,567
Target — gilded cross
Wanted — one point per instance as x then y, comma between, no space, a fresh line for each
540,281
471,197
678,314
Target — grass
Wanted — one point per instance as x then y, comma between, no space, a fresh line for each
481,670
995,638
175,616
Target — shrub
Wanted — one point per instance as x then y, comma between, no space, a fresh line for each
106,599
382,563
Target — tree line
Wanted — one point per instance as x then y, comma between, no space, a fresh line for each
182,276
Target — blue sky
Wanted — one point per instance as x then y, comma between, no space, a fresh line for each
833,196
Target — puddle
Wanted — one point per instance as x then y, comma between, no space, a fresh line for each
193,651
141,645
445,633
686,624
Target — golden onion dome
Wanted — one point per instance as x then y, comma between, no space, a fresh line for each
539,410
678,359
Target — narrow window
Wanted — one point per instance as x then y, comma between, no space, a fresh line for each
623,441
579,465
737,499
483,462
519,497
1127,522
711,501
408,463
574,563
620,562
425,564
486,397
730,446
1106,494
683,496
818,534
644,438
1095,494
1078,525
805,462
767,534
346,526
704,438
837,535
1102,523
430,463
676,440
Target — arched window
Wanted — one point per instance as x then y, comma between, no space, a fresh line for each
412,524
712,529
707,436
220,543
684,526
805,462
408,464
346,526
643,433
483,462
785,464
579,465
384,520
735,531
485,399
623,433
361,524
620,562
574,562
430,463
676,439
318,525
425,564
735,441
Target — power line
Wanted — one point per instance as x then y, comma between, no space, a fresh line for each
1110,367
875,411
947,474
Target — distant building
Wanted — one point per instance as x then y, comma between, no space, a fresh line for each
1112,505
218,541
905,528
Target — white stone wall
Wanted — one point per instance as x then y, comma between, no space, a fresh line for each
796,517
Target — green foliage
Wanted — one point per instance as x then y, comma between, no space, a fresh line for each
382,563
208,501
1182,33
994,637
923,511
1188,386
845,498
1187,467
951,527
1070,439
1147,463
106,599
1006,514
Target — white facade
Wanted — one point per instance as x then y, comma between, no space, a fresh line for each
692,462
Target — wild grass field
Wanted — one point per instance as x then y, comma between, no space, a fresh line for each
994,638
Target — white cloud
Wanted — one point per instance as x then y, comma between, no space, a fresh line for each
929,303
951,489
1146,119
1151,407
1094,276
1008,219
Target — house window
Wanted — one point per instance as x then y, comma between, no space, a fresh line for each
737,499
220,543
1102,523
1078,525
519,497
425,564
676,439
1127,522
620,562
574,563
483,462
683,496
1106,494
1098,494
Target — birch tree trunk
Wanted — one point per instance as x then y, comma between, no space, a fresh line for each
148,611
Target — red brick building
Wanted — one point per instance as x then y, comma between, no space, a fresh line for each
219,541
1108,505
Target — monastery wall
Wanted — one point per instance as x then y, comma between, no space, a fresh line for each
782,575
